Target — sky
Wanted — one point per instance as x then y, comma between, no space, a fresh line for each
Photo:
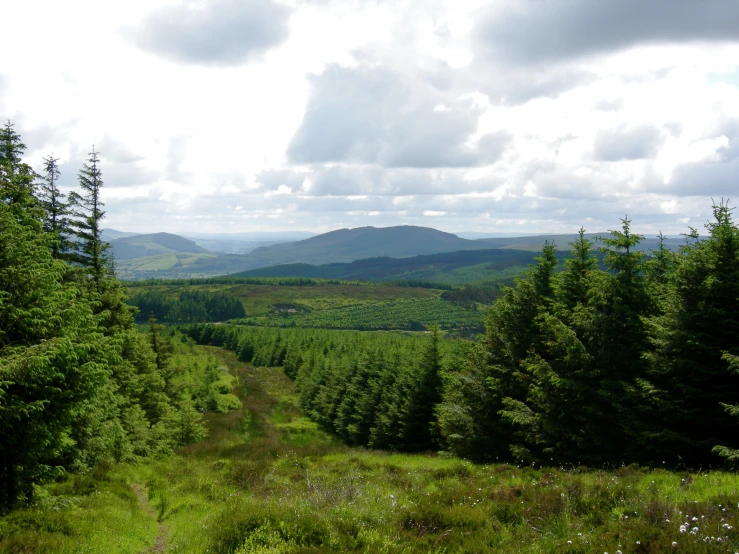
498,116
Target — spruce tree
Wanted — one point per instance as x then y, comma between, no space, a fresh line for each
420,428
53,359
701,323
574,284
57,219
92,249
616,337
729,453
17,179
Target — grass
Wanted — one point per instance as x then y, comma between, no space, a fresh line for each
268,480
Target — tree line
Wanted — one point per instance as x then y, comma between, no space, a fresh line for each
370,388
634,362
187,307
79,385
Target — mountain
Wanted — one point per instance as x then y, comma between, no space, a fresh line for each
141,246
454,268
109,235
347,245
253,236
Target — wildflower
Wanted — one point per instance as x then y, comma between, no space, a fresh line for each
683,528
674,544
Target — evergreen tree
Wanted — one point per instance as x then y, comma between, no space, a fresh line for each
729,453
420,429
614,333
543,272
700,324
53,359
92,250
161,347
574,283
57,220
17,179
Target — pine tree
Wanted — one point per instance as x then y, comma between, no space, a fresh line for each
420,428
543,272
92,249
573,288
729,453
57,219
53,359
700,324
17,179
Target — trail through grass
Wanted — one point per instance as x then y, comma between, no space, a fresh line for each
268,480
160,543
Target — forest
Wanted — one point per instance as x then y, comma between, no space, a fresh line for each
79,383
596,408
620,365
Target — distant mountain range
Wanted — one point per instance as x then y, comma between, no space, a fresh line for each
347,245
454,268
166,255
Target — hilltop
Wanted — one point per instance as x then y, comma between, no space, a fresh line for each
140,246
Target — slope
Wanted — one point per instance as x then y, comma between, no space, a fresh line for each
141,246
347,245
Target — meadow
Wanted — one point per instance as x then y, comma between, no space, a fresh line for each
269,480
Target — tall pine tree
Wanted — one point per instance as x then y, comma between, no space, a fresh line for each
57,220
93,250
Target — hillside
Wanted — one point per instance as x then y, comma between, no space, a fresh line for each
484,265
347,245
141,246
374,254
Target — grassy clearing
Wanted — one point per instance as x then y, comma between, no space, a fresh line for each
269,480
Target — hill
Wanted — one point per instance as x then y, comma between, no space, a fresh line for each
109,235
141,246
479,266
347,245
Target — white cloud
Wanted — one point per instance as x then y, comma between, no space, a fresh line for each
329,112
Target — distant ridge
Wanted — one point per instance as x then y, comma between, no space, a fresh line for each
347,245
140,246
112,234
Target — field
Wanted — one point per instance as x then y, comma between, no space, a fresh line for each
179,265
259,300
269,480
412,314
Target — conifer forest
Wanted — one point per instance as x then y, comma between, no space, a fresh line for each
585,402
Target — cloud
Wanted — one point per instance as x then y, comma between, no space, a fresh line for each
217,33
377,116
4,85
533,31
116,151
636,143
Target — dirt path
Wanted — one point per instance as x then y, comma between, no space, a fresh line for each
160,543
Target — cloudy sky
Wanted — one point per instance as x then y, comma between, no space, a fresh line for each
522,116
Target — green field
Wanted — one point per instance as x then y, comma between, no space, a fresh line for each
260,300
413,314
268,480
